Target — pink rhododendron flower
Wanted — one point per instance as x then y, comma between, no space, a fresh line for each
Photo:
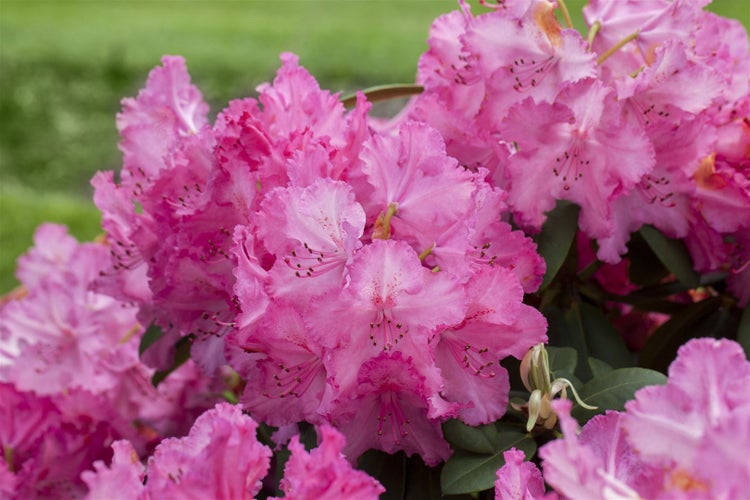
685,439
707,386
390,411
219,458
589,158
518,480
324,473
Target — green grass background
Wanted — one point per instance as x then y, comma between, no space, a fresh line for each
65,65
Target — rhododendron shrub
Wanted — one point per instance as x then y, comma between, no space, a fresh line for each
391,283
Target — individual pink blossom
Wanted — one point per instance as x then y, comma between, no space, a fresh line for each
598,463
219,458
324,472
122,480
706,386
313,233
392,303
496,325
517,479
570,150
287,379
390,411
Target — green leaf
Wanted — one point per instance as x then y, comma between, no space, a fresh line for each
566,330
743,331
556,238
480,439
673,254
561,359
645,268
661,347
602,339
390,470
383,93
150,336
599,367
181,354
613,389
466,472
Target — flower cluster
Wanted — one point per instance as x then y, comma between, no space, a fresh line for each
70,377
222,458
642,122
350,276
686,439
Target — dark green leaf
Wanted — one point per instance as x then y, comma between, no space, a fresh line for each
599,367
468,472
566,329
383,93
556,238
181,354
613,389
645,268
481,439
390,470
673,254
661,347
743,331
151,335
602,339
421,481
562,359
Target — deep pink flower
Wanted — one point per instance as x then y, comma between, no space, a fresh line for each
284,368
219,458
391,303
122,480
313,233
389,411
324,472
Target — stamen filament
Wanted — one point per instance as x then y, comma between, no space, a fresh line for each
618,46
565,13
428,251
593,30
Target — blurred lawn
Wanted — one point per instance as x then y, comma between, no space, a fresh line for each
65,65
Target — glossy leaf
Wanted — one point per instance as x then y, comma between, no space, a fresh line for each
602,339
481,439
468,472
599,367
661,347
566,329
556,238
562,359
613,389
390,470
673,254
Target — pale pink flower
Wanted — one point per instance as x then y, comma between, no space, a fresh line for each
672,424
496,325
517,479
575,149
